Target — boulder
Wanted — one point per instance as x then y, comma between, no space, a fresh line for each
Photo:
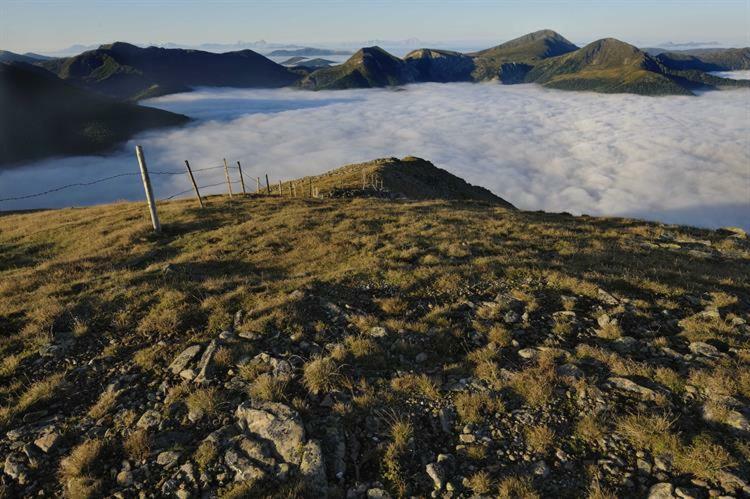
631,386
313,470
181,362
277,423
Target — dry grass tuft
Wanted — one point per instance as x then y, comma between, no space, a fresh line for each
481,482
268,388
137,445
321,375
516,487
106,402
540,439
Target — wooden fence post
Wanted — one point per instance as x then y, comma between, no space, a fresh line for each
294,189
192,181
311,187
229,182
280,191
257,185
242,179
268,186
363,180
147,188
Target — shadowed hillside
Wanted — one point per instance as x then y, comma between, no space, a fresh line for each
44,116
125,71
363,347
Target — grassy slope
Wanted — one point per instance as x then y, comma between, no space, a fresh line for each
429,272
368,67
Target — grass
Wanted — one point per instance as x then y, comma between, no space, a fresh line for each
78,469
321,375
420,269
540,439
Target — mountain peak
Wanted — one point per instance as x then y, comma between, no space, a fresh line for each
120,47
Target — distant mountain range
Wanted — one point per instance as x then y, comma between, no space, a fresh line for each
546,58
128,72
47,115
44,116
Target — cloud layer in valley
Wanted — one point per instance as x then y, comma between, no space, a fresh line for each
675,159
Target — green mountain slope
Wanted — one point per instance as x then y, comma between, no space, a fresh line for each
44,116
368,67
125,71
707,59
608,66
526,50
440,65
29,58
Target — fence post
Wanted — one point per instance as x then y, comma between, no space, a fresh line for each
195,186
294,189
268,186
363,180
242,179
257,185
147,188
280,192
229,182
311,187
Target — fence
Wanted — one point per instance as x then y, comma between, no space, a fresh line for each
297,188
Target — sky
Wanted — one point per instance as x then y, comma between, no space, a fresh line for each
49,25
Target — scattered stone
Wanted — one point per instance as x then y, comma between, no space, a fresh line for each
528,353
378,332
168,459
275,422
149,420
15,467
661,491
48,441
183,359
206,364
704,349
632,387
313,469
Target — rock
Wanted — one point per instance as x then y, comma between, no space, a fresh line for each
168,459
421,357
570,370
244,468
467,438
378,332
540,468
632,387
15,467
604,320
625,344
149,419
125,478
661,491
279,367
687,493
511,317
206,363
48,441
377,493
704,349
447,417
528,353
275,422
183,359
437,474
313,470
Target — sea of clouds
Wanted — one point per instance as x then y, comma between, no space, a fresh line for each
673,159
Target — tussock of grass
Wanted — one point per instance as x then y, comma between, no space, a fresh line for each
268,388
517,487
104,404
83,460
540,438
320,375
137,445
204,401
38,392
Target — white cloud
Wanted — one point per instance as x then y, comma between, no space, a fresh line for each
676,159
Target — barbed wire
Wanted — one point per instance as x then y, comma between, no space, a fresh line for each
112,177
235,182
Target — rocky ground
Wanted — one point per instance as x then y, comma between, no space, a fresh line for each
367,348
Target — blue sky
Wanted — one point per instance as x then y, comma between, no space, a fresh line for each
43,25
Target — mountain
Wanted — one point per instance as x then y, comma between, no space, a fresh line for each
368,67
520,52
440,65
29,58
407,178
312,64
293,60
612,66
44,116
128,72
307,52
707,59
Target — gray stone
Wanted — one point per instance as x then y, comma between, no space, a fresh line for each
149,419
125,478
206,363
661,491
168,459
631,386
183,359
625,344
377,493
421,357
275,422
244,468
313,469
47,441
528,353
437,474
378,332
704,349
15,467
